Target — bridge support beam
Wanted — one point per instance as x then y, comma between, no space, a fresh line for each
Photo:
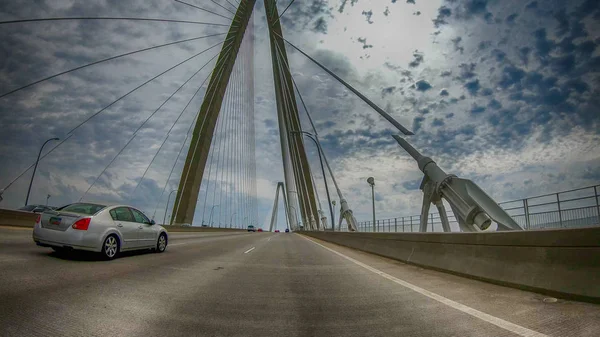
195,163
298,180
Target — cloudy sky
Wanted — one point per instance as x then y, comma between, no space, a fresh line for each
501,92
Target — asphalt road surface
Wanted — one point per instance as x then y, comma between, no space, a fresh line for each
261,284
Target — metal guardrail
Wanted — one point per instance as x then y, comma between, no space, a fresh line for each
568,209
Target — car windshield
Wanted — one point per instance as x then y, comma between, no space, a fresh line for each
250,226
82,208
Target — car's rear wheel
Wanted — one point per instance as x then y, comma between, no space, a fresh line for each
161,244
110,247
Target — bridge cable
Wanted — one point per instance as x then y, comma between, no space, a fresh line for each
203,9
299,138
110,18
195,145
212,153
105,60
288,6
141,126
70,133
143,84
292,143
225,8
356,92
188,133
224,186
173,125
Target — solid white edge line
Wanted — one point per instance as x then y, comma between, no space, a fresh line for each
249,250
506,325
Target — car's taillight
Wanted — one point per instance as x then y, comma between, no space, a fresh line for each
82,224
38,219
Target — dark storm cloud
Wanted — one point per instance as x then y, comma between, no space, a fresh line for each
443,14
456,42
473,87
422,85
444,92
410,2
368,14
309,15
320,26
418,59
532,5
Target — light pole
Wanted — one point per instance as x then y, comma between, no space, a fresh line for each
167,206
371,182
333,219
47,197
35,168
211,214
311,136
231,219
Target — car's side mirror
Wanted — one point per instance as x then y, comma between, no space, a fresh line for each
152,222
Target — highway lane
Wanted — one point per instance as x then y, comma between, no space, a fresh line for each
260,284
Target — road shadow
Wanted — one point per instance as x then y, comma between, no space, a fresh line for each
85,256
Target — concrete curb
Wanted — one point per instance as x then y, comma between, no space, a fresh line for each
563,263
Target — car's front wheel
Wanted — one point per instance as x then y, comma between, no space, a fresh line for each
161,245
110,247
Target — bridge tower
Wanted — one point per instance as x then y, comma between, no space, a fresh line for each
299,186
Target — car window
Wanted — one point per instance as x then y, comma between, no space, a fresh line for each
122,214
83,208
28,208
139,216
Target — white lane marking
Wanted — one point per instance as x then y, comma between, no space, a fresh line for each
269,239
177,244
249,250
506,325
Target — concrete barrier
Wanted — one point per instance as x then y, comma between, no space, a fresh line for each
563,263
9,217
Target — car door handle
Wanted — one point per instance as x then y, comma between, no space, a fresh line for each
119,225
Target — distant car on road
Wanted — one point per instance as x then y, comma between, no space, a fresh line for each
98,228
287,230
260,229
251,228
277,231
36,208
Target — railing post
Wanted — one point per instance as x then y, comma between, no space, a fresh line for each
597,203
411,225
396,225
559,212
526,210
402,224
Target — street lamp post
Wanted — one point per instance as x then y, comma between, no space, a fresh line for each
231,219
371,182
167,206
47,197
35,168
311,136
333,219
211,214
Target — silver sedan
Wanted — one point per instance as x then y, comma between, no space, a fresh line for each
98,228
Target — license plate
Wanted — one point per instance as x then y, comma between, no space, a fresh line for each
55,221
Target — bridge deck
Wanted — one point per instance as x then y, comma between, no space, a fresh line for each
216,284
